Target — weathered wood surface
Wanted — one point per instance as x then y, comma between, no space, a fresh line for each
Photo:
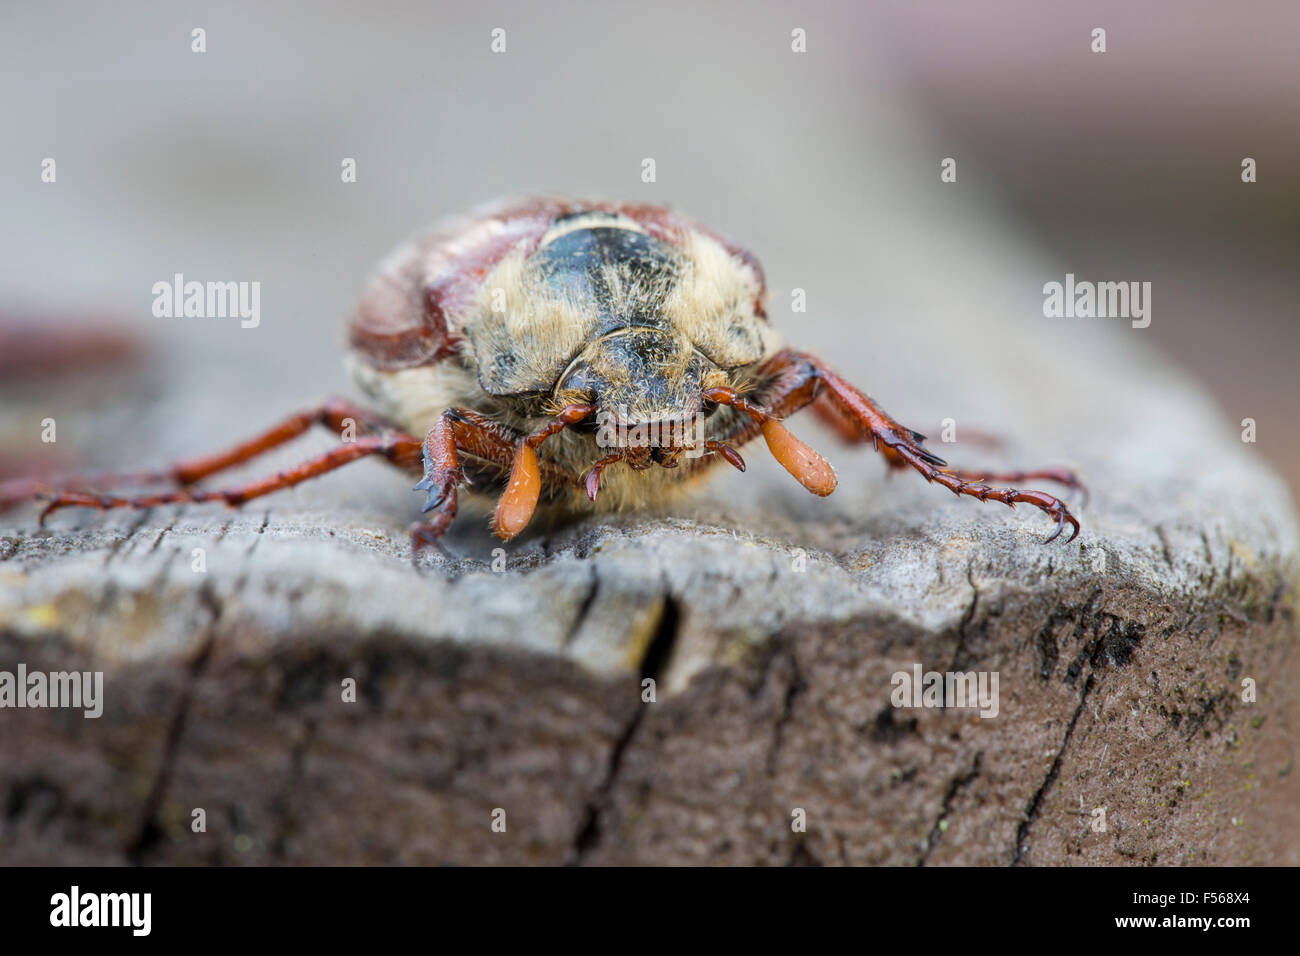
771,622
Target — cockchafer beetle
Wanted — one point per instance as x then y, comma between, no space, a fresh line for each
570,355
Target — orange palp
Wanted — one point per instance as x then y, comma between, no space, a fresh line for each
519,500
809,468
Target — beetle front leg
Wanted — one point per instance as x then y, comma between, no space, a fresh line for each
461,431
442,476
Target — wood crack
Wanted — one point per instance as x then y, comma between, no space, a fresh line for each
148,832
955,786
655,660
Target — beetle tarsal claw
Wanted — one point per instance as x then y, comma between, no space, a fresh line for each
519,500
809,468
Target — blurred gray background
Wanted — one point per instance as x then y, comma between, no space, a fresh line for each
225,166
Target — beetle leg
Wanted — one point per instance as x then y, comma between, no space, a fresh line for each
1062,476
837,420
847,429
16,491
826,410
458,429
834,417
902,447
334,414
790,381
402,450
442,475
462,431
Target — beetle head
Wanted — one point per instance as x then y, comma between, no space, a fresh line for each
646,393
647,385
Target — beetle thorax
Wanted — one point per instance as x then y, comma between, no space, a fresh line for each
601,305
